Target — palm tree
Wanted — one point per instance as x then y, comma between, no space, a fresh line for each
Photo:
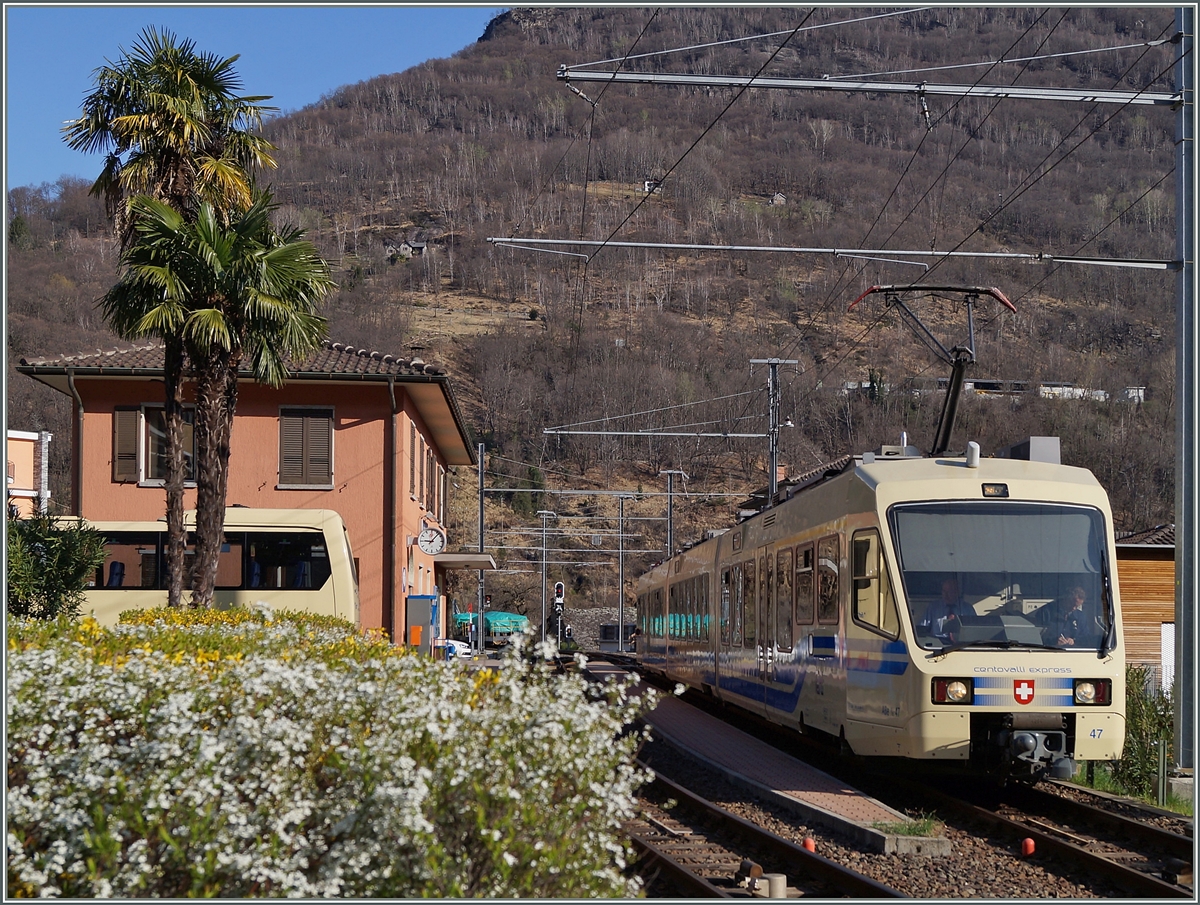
242,296
171,126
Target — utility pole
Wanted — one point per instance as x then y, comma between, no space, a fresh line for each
670,496
1187,505
482,597
545,514
773,421
621,572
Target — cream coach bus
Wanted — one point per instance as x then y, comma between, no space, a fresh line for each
296,559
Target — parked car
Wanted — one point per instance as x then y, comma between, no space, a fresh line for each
456,650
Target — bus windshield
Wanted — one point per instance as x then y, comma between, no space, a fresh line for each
1004,574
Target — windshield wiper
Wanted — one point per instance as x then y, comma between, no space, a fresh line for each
1002,643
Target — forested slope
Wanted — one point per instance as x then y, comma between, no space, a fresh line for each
491,144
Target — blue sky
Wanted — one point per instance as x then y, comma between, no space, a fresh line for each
294,53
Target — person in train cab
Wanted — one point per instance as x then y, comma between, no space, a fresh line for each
942,616
1074,624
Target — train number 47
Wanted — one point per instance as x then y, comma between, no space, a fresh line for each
1096,733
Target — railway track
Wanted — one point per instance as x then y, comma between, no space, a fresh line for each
690,846
1115,845
1160,858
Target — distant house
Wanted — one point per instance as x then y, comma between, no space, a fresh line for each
367,435
652,186
28,471
778,199
1146,575
412,249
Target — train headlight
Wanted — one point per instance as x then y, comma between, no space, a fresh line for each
953,691
1092,692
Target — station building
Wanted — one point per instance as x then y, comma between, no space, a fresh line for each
367,435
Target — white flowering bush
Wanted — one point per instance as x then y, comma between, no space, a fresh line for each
240,754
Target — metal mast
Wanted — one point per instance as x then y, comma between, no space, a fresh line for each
1188,338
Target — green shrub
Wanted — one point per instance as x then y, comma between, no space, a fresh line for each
245,754
50,562
1149,718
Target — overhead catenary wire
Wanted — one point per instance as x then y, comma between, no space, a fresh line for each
773,34
1005,60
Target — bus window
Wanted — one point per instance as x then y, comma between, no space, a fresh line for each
130,561
229,561
297,561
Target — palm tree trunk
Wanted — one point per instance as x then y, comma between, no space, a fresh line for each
216,399
176,468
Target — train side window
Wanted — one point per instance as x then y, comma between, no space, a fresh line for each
874,604
705,616
828,554
783,600
805,586
749,605
672,609
685,630
724,616
735,606
694,609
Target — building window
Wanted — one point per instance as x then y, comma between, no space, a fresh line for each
421,470
412,460
140,445
305,447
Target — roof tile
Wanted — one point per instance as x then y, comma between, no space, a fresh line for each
330,358
1158,536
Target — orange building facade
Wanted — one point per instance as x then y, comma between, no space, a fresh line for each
28,477
366,435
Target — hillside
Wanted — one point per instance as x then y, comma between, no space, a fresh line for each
490,144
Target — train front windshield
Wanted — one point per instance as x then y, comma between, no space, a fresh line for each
1004,574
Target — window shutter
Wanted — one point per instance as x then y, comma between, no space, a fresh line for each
291,448
305,446
319,441
125,446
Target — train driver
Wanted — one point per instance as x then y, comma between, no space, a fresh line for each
942,616
1074,627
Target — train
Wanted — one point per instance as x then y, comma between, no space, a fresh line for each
961,609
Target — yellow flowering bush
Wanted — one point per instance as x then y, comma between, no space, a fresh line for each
246,753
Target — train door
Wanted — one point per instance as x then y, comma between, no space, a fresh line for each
876,658
765,649
821,672
805,596
782,678
745,660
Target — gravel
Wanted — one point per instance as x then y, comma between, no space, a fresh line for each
981,864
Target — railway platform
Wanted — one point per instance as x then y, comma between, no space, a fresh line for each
810,793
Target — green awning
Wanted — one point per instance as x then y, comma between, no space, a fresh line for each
495,622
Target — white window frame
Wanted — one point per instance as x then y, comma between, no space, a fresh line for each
143,443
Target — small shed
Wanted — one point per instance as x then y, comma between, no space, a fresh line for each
1146,574
778,199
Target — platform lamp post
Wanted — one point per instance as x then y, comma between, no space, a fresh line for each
545,514
670,497
621,572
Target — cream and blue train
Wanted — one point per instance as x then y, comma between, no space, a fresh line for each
912,607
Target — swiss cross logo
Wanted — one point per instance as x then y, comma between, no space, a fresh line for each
1023,690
